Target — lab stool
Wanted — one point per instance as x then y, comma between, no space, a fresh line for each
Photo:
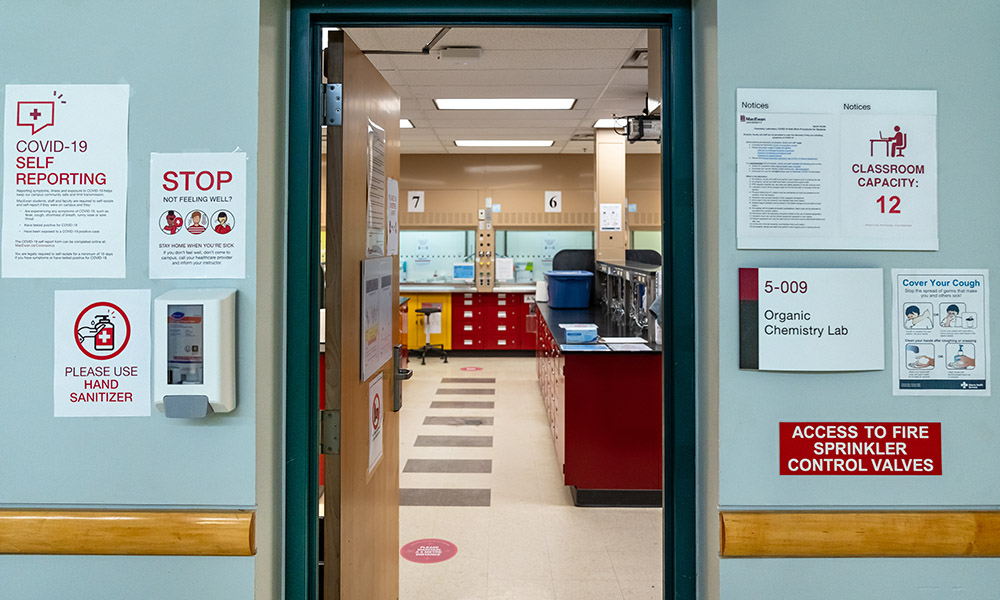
428,346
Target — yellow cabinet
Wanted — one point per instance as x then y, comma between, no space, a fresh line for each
415,320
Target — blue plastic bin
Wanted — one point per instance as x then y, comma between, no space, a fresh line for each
569,289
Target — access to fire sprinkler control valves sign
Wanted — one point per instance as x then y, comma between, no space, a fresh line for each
940,332
811,319
197,215
836,169
65,179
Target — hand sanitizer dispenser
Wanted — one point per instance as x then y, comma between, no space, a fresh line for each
194,352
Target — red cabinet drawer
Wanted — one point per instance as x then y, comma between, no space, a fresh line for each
465,300
464,342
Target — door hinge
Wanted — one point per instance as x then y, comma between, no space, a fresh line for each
333,103
329,435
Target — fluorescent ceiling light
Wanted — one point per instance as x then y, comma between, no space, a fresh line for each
504,143
611,123
405,124
504,103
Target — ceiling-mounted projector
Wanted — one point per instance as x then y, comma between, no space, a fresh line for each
643,128
460,55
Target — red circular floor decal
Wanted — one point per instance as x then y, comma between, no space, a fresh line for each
428,551
472,368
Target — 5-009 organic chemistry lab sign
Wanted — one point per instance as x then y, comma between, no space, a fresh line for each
101,353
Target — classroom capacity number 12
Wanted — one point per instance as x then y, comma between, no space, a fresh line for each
785,287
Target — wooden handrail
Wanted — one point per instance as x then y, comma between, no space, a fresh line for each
138,532
812,534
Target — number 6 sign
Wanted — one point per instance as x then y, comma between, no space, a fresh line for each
553,202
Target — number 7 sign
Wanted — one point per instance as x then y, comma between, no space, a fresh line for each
415,202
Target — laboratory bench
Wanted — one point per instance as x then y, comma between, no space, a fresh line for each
470,320
605,412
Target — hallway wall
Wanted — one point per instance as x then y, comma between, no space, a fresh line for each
919,45
192,68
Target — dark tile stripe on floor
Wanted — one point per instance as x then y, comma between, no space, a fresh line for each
443,497
473,421
481,441
439,465
466,392
462,404
468,380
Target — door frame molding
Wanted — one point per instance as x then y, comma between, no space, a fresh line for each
303,289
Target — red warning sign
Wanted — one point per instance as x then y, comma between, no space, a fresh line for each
428,551
102,330
472,368
860,448
376,411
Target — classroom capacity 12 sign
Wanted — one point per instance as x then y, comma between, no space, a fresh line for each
836,169
811,319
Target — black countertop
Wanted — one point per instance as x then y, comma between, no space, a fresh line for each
553,317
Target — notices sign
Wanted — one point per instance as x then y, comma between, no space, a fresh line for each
376,407
65,176
836,169
860,448
941,333
376,315
376,191
611,217
197,215
811,320
392,218
102,353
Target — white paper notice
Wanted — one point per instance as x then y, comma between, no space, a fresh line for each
377,311
940,332
392,218
836,169
611,217
197,215
376,414
102,353
376,191
505,269
65,178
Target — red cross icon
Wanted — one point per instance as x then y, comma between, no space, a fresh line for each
104,337
35,114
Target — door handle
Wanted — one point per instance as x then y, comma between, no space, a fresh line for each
397,381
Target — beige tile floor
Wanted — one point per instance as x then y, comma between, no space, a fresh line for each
531,543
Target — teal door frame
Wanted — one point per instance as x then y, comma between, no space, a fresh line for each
308,17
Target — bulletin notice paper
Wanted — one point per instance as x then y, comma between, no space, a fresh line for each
392,217
376,315
376,415
197,215
375,239
836,169
65,166
941,332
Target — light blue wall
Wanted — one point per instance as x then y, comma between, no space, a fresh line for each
192,68
856,44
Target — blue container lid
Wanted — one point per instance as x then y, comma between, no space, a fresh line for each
568,274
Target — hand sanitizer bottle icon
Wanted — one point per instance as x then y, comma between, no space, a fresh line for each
960,353
105,337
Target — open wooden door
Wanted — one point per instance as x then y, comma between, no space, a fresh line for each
361,529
